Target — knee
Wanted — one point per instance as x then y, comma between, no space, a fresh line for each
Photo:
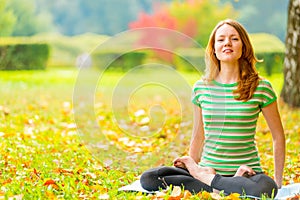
150,180
265,186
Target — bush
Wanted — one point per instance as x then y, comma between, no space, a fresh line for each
272,62
118,60
66,49
271,50
188,59
23,56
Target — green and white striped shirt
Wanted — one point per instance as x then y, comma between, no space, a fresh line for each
230,125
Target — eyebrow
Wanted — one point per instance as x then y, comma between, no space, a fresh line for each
229,35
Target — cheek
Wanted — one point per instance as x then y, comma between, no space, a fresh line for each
217,50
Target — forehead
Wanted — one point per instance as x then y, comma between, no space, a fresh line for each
226,30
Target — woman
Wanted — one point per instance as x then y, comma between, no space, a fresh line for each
227,103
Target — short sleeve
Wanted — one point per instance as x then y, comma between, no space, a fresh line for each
196,93
268,94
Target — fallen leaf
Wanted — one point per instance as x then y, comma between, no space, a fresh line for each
103,196
187,194
51,182
176,193
204,195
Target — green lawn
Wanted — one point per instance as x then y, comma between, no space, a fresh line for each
43,156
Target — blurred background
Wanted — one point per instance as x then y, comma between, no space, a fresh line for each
109,17
68,29
43,43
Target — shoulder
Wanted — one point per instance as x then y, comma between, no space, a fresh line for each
200,84
265,88
264,84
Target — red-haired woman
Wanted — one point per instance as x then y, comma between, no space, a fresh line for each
227,103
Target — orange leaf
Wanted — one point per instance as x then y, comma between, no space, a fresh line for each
233,196
296,197
51,182
204,195
9,180
64,171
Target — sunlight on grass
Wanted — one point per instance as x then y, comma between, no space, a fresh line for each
42,157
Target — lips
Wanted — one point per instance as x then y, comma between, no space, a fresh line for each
227,51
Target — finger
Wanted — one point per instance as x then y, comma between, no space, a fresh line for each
176,160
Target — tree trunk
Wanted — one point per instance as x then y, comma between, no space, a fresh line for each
291,87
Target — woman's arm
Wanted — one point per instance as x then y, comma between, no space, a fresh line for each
197,139
272,117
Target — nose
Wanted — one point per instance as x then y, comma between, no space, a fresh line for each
227,42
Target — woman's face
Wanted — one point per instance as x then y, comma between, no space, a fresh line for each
228,44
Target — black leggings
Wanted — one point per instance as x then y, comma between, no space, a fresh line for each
161,177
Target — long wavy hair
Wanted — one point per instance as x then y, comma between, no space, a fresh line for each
248,76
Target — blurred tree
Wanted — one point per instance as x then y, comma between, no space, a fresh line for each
7,19
291,88
189,17
98,16
155,37
267,16
197,18
28,20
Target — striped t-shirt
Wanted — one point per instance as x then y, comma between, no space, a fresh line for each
230,125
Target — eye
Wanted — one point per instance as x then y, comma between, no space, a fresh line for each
220,40
236,39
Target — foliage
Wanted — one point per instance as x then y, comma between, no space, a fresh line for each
22,19
102,16
7,19
43,157
272,62
65,49
270,49
262,16
192,17
23,54
187,17
264,43
117,60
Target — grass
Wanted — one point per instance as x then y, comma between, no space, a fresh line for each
42,156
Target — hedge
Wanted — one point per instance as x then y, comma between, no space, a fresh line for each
272,62
267,48
271,50
184,59
118,60
17,54
190,59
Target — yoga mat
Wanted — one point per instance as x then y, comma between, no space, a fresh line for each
283,193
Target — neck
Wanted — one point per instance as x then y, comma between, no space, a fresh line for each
229,73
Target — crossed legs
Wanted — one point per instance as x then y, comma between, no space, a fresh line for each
245,181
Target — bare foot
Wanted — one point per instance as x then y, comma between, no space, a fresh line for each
204,174
188,163
244,170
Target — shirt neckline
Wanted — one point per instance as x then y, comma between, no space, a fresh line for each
225,84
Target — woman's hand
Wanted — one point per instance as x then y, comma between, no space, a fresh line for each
182,161
245,171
